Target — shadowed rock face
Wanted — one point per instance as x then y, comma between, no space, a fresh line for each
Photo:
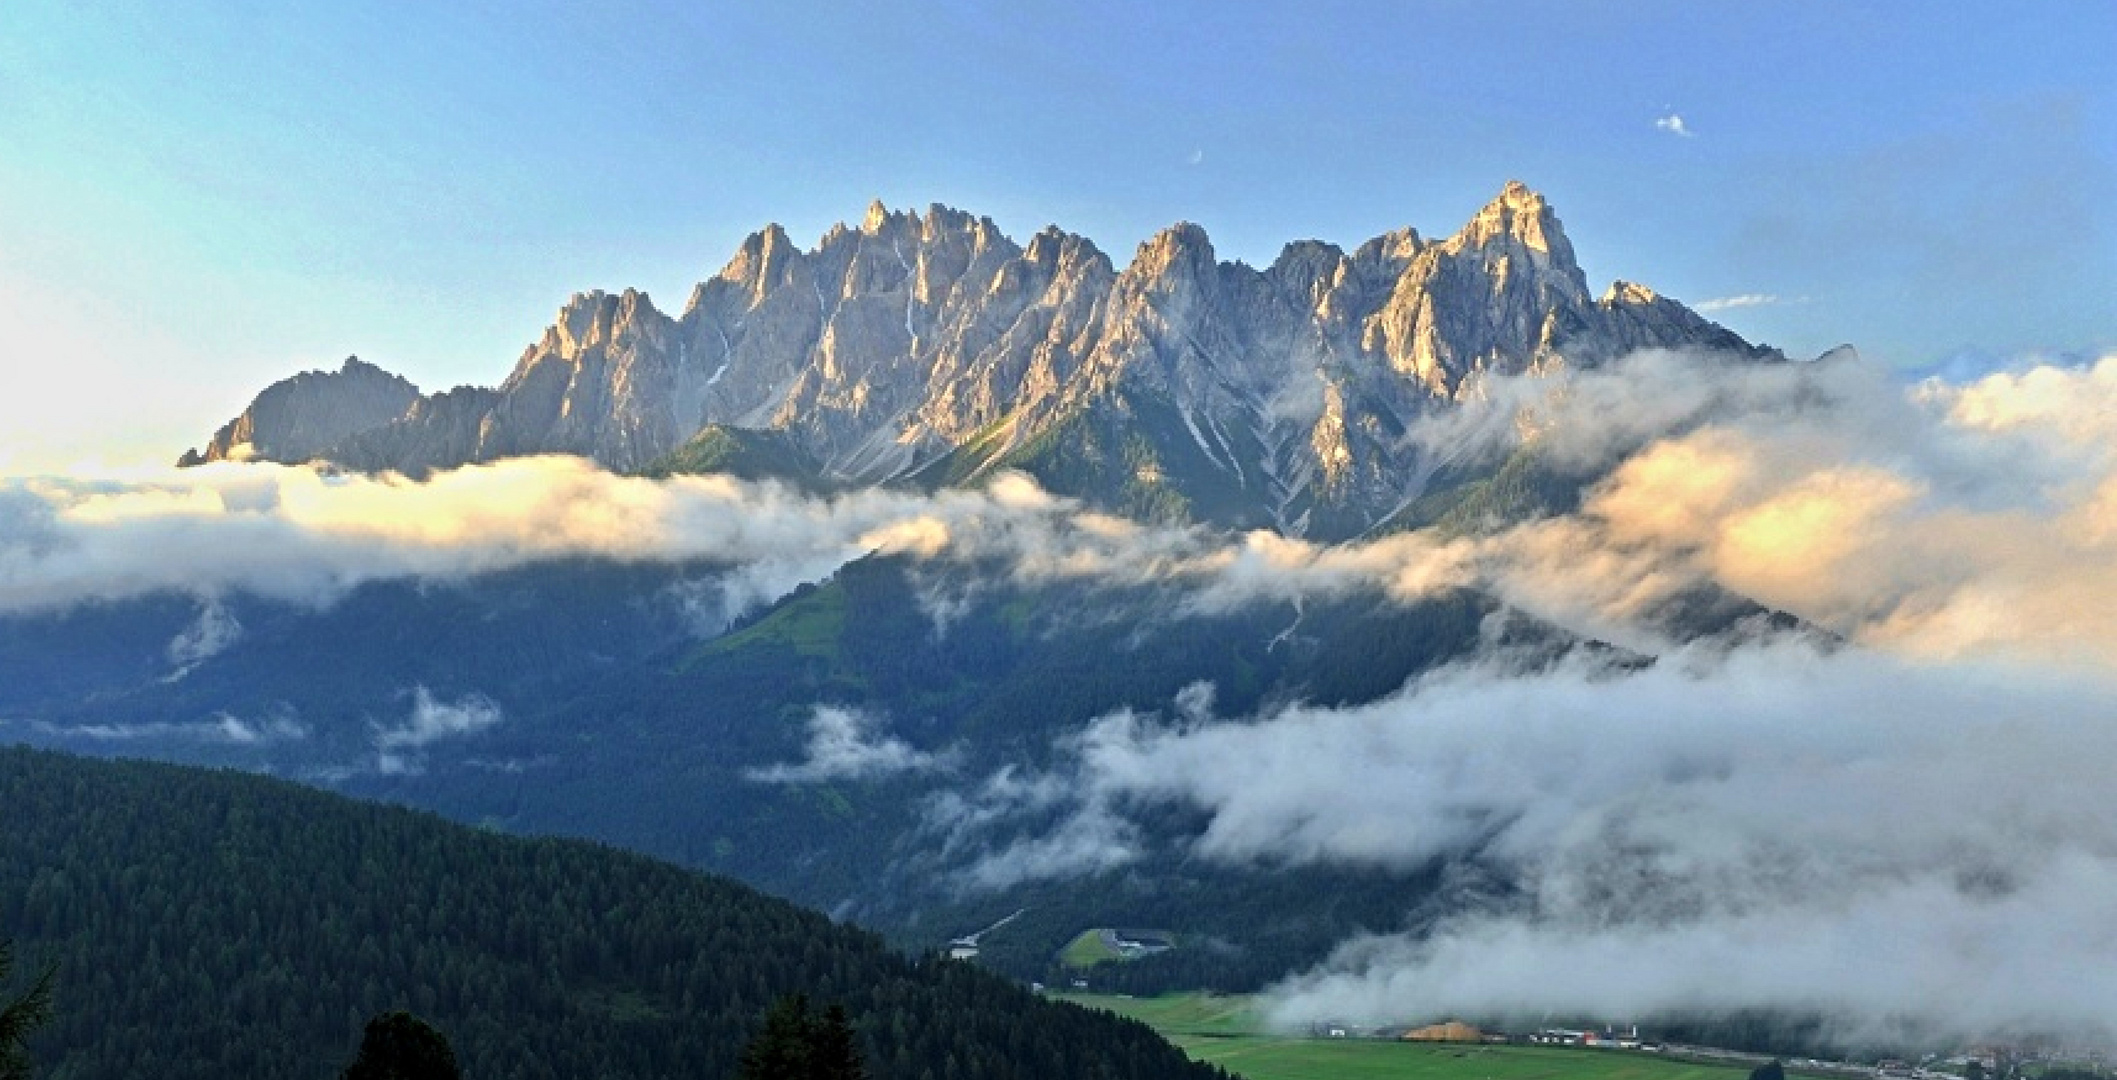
936,347
309,415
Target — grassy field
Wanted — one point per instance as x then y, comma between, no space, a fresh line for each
1227,1032
811,626
1086,951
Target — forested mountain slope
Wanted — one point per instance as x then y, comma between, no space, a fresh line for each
218,924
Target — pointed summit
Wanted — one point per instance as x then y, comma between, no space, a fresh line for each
1516,193
1182,248
761,264
1520,215
877,216
1519,228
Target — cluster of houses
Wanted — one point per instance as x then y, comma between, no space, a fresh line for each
1456,1031
1608,1038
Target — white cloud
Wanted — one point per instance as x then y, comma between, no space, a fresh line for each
845,744
1743,300
208,636
397,748
1072,830
1674,125
226,728
1942,520
295,534
1887,840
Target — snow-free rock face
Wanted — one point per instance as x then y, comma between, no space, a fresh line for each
307,416
934,348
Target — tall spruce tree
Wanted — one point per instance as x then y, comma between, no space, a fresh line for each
780,1051
834,1048
794,1044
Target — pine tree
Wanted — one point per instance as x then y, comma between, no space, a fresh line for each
781,1050
797,1045
20,1016
834,1049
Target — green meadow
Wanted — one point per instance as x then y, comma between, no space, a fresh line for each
1086,951
1227,1031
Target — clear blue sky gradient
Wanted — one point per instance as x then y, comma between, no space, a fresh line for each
198,198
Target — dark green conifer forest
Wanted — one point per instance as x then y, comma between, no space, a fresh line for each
217,924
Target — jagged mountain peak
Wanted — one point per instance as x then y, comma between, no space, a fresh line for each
766,260
1398,245
595,317
1044,247
1314,253
879,217
1181,235
358,368
1517,194
938,219
305,416
1181,250
941,218
1628,292
931,344
1518,217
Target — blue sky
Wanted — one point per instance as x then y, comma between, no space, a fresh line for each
196,199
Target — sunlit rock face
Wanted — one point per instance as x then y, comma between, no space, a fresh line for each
934,347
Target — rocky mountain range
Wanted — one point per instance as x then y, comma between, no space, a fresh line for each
934,349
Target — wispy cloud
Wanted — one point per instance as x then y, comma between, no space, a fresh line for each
211,634
223,728
1743,300
1674,125
1890,841
846,744
397,748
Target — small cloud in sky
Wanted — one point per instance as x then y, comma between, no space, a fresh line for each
1674,125
1725,303
1198,157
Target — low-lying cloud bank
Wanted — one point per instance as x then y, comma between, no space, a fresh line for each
1940,520
1901,844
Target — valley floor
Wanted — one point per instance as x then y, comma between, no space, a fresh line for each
1226,1031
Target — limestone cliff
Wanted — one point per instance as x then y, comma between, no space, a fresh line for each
933,348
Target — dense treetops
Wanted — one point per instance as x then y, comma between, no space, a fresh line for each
216,924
